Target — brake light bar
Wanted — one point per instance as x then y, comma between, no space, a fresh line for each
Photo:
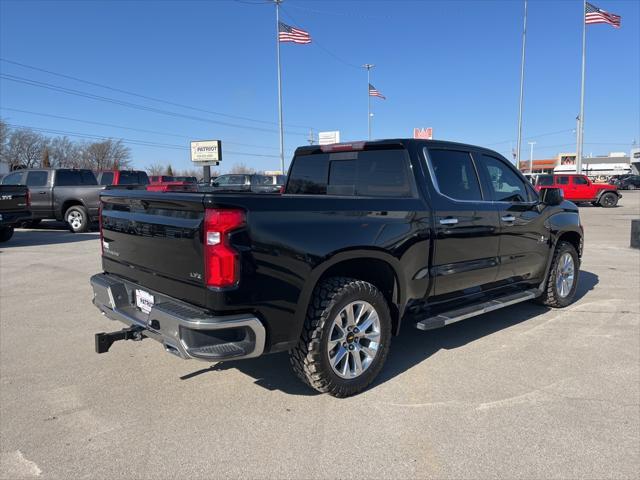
343,147
221,261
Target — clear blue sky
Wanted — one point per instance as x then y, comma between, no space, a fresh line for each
450,65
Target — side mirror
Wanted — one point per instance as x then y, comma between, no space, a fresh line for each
551,196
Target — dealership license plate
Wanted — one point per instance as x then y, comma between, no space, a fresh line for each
144,301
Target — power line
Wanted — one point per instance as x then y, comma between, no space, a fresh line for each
137,106
128,140
146,97
315,42
90,122
339,14
533,136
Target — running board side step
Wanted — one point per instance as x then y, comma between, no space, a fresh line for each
453,316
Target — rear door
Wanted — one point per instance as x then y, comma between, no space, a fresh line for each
523,249
466,224
39,183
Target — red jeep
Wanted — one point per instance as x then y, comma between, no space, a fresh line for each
579,188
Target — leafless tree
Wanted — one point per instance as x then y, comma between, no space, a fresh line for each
4,140
65,153
106,155
25,148
241,168
156,169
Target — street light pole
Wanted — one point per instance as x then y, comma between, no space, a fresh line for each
281,130
368,66
524,42
531,158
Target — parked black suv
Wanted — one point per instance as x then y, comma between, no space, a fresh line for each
71,195
367,238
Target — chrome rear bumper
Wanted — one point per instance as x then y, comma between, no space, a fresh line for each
184,330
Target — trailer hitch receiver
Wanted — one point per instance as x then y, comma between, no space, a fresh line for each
105,340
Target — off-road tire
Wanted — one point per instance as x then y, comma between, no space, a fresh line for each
310,359
551,296
608,200
5,234
83,224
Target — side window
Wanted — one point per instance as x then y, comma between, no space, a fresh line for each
65,178
222,180
580,181
106,178
37,179
544,180
454,174
563,180
506,185
143,178
13,179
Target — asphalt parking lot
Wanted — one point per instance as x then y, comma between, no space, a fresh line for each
523,392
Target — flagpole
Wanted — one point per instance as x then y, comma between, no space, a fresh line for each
581,118
368,66
277,2
524,42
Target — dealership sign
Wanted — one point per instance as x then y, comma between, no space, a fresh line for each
327,138
206,152
423,133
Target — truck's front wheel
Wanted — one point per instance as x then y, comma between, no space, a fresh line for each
345,338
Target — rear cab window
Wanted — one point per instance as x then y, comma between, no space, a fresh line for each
366,173
16,178
106,178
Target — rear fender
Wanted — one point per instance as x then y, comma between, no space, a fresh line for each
399,299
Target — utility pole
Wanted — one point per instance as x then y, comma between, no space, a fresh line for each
278,2
368,66
311,138
531,157
524,42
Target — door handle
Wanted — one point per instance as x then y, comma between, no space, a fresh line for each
508,218
42,193
448,221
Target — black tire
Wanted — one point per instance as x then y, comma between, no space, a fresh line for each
5,234
310,358
77,218
552,296
608,200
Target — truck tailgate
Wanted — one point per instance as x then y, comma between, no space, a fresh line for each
155,240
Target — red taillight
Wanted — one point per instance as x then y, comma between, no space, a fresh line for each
220,260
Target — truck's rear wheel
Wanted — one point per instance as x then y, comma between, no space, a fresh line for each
345,338
609,200
77,218
5,234
562,280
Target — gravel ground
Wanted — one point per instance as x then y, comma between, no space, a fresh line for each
523,392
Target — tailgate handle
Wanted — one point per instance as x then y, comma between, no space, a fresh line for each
508,218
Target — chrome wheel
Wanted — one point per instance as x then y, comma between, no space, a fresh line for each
354,339
74,218
565,274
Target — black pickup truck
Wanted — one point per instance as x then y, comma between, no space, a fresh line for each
368,237
14,209
70,195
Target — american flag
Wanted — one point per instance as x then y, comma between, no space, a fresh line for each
287,33
373,92
593,14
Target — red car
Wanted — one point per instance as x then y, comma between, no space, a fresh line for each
580,188
166,183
